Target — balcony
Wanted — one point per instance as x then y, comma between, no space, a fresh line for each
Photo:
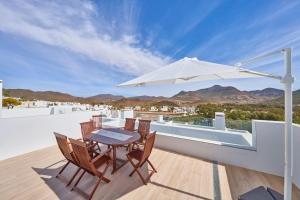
192,162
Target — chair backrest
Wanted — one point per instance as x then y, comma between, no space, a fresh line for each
149,142
130,124
144,128
82,155
97,121
86,128
62,142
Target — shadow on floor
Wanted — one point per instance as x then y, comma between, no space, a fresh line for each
121,184
178,190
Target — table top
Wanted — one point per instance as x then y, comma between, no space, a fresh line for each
99,136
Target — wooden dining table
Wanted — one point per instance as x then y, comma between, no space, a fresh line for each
114,137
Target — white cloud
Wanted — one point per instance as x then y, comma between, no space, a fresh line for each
72,26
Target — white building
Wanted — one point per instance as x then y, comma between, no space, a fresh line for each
164,108
153,109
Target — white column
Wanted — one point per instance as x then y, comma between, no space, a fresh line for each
160,118
220,121
288,131
1,97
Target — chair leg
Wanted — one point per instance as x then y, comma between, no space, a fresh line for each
151,165
94,189
64,167
98,181
78,180
98,147
136,169
73,176
134,166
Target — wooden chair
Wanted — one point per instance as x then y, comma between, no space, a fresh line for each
68,153
142,156
143,130
130,124
89,164
97,121
86,130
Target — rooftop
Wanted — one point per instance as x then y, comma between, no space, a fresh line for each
32,176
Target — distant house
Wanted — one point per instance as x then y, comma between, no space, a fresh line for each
138,108
179,110
191,110
164,108
153,109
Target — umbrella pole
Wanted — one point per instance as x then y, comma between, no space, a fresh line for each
288,129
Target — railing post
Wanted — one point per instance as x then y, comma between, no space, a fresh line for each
220,121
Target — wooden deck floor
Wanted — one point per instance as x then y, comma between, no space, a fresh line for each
32,176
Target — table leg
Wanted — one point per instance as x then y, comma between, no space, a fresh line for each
114,159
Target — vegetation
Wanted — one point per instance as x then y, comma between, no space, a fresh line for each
6,93
239,116
12,101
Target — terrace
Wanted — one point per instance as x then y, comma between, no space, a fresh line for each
192,162
32,176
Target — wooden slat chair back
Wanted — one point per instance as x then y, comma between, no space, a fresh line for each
82,155
148,146
86,128
66,150
130,124
142,156
144,128
89,164
97,121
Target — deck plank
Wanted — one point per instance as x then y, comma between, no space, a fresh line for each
32,176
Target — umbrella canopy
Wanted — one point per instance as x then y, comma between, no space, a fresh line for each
188,70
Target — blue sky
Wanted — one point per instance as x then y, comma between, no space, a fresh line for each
88,47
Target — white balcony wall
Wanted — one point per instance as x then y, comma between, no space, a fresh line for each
268,156
23,112
25,134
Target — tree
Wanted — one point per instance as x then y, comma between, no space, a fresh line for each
10,100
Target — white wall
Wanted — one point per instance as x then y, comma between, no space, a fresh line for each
268,156
24,134
297,155
1,96
23,112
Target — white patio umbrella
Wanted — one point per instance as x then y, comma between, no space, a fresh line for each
189,70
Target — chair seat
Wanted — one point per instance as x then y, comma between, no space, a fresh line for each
136,154
259,193
276,195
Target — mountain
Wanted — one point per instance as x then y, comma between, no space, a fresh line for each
214,94
42,95
221,94
149,98
106,97
268,92
296,98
